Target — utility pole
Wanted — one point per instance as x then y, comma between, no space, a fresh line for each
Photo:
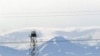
33,38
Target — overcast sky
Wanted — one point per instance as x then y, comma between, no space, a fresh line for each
15,14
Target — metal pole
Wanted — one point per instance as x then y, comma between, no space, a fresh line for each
33,44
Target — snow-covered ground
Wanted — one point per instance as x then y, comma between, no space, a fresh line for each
55,48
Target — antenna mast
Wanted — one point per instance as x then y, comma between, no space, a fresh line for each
33,44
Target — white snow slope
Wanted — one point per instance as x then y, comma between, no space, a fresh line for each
55,35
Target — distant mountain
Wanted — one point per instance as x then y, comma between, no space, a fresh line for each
78,33
86,34
62,47
18,36
58,46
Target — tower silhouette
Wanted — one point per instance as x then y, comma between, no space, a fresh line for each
33,44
